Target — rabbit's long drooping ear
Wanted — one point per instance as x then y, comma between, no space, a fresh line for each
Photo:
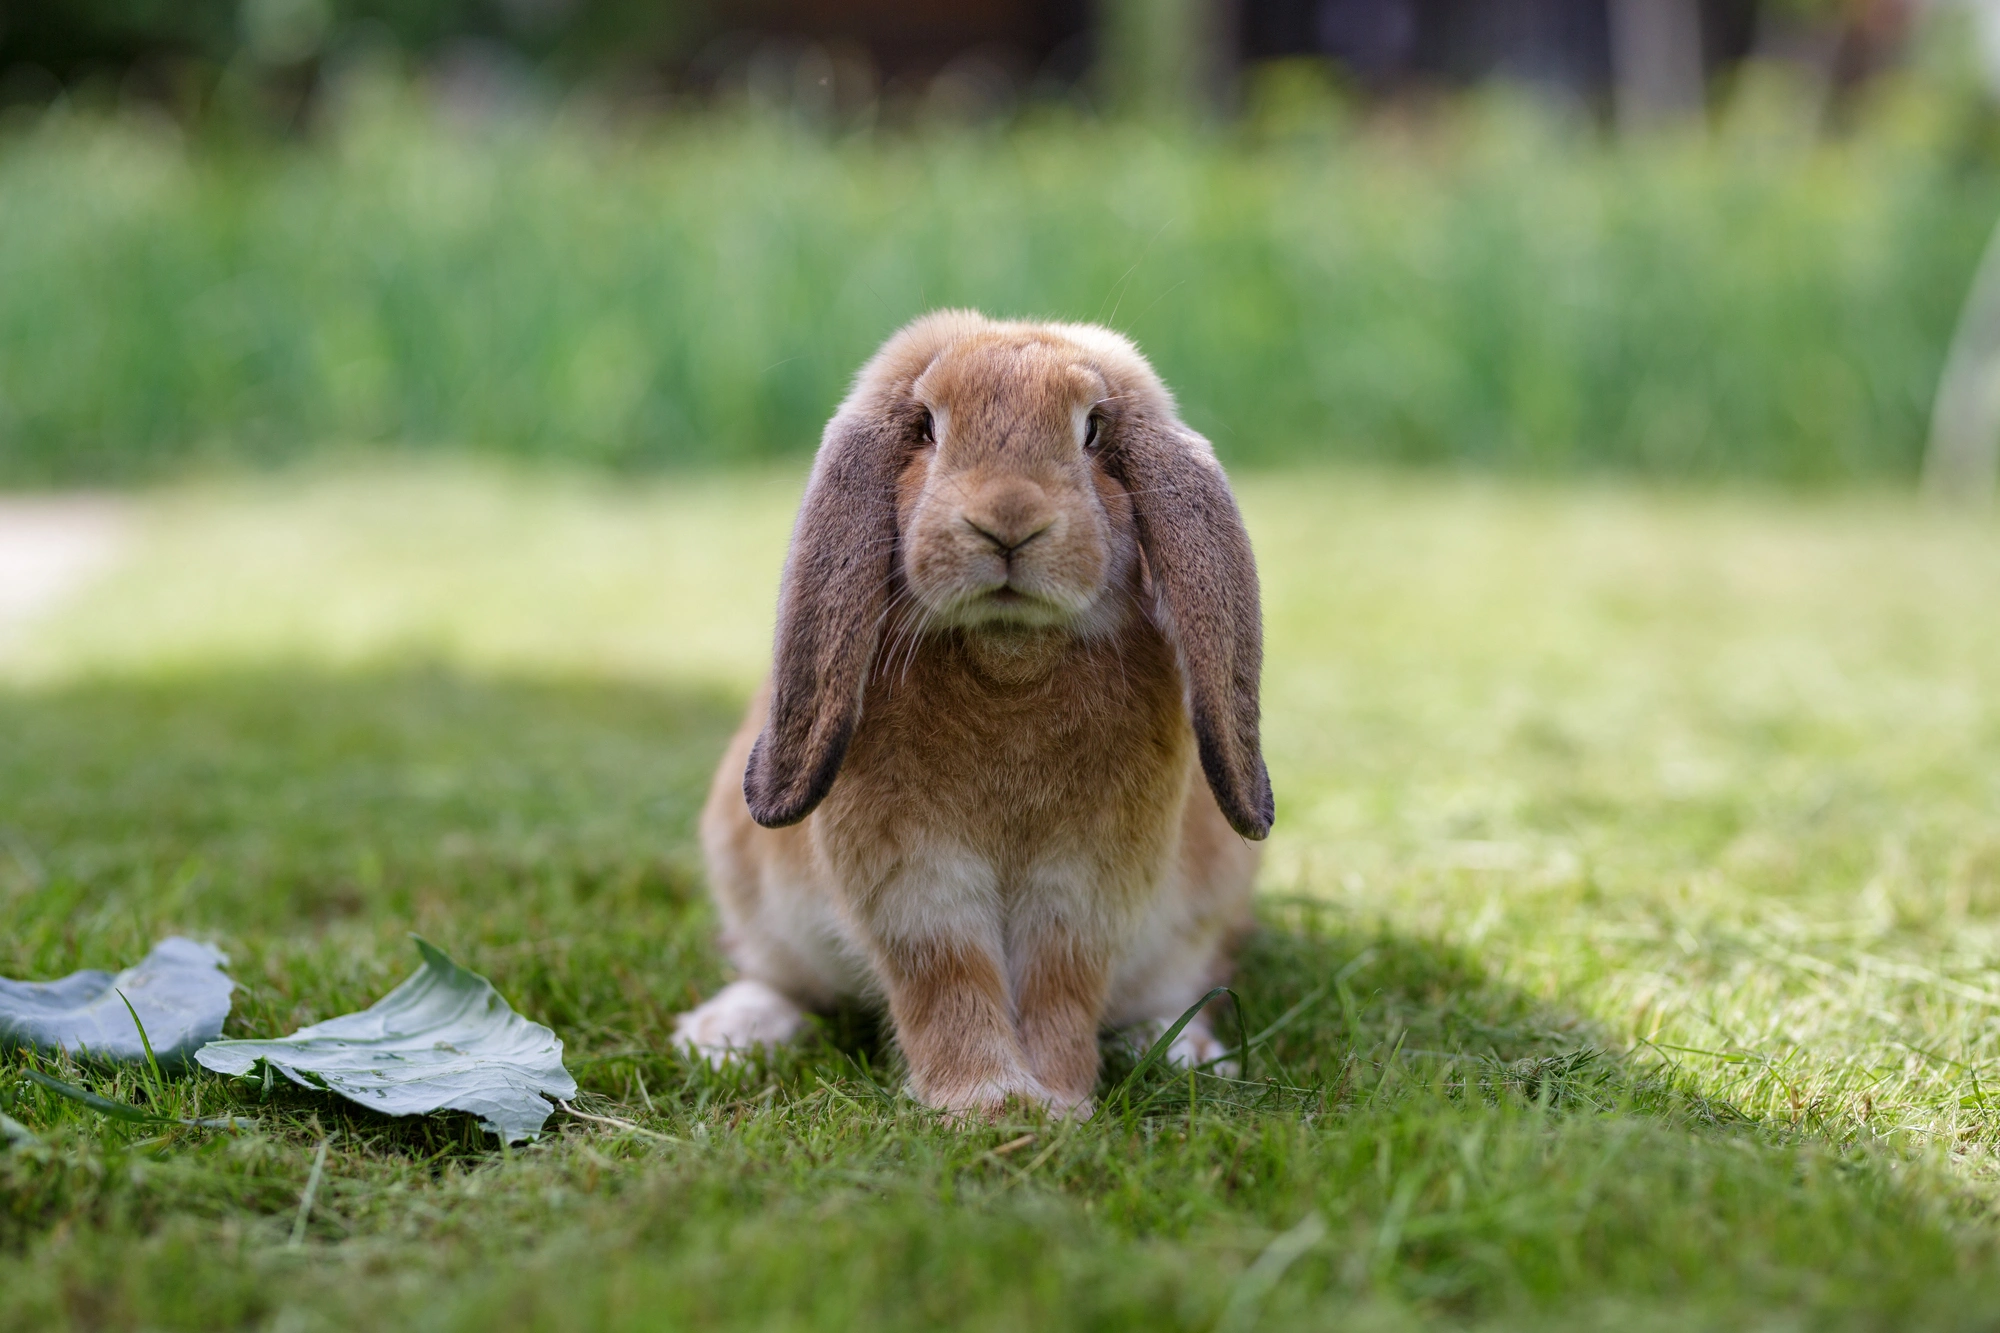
830,607
1206,579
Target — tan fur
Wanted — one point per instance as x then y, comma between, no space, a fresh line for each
1005,662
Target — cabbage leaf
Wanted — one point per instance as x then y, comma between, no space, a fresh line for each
443,1040
179,992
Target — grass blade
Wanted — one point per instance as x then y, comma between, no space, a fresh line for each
104,1106
1166,1039
117,1110
306,1198
618,1122
1247,1297
152,1061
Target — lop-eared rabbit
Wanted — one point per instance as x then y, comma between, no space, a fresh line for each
1018,628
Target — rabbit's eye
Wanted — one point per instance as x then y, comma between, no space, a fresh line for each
927,428
1092,429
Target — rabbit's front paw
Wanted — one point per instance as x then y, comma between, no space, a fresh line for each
989,1098
741,1017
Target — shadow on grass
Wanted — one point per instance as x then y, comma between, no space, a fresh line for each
1469,1150
1341,1010
543,832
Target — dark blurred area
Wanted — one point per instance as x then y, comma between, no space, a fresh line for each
1586,47
1685,239
268,60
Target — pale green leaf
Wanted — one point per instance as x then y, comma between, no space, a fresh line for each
178,992
443,1040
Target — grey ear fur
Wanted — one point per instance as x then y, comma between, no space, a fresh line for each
1205,581
836,584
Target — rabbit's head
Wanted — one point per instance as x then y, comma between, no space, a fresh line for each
999,478
1006,518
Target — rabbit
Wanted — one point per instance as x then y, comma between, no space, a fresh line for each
1018,627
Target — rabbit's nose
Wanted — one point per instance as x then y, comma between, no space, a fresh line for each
1005,540
1010,519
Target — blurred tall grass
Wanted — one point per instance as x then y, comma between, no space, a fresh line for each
1489,288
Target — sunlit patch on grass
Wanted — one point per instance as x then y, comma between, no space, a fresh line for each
1628,943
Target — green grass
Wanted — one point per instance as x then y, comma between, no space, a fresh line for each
1635,899
1490,288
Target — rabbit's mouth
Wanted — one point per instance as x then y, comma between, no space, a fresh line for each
1007,605
1011,603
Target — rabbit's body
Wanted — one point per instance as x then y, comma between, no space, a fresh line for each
1019,846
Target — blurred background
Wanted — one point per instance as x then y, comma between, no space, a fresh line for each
1689,239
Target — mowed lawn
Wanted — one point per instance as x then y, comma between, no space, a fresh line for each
1629,949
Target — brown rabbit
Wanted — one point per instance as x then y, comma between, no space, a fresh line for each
1019,620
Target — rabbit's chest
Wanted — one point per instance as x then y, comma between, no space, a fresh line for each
1088,762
